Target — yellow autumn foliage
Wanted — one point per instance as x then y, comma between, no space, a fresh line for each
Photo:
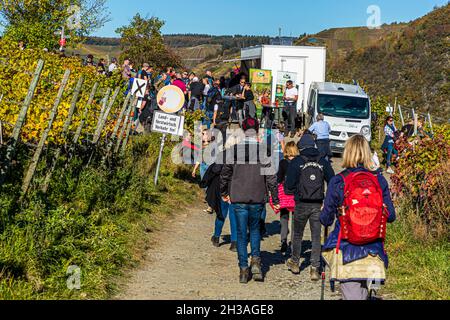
16,72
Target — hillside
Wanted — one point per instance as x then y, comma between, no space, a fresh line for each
411,63
194,49
341,41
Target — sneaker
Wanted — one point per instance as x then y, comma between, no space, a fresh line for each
215,241
256,269
293,266
244,276
233,247
284,247
315,275
390,171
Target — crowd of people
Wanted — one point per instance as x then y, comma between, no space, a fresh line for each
241,184
239,187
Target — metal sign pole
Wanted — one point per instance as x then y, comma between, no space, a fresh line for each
158,167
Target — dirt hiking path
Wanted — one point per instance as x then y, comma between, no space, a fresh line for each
184,265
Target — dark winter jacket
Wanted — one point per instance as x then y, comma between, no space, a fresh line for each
245,178
334,200
294,170
211,181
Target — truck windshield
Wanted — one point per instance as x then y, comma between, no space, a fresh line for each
343,107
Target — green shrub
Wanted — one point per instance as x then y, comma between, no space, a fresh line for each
96,218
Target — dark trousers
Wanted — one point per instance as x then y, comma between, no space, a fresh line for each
305,212
324,148
284,220
291,111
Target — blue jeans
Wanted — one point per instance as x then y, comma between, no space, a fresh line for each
208,119
390,152
227,210
248,218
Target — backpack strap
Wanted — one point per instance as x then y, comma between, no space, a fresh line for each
345,174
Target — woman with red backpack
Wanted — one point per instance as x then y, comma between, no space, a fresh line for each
361,202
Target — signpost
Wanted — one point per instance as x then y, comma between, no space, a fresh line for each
139,88
170,101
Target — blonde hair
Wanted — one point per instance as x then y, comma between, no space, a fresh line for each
291,150
357,152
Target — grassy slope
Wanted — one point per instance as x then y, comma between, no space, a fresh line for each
341,41
411,64
99,222
419,269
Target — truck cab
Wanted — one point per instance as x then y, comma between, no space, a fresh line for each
346,108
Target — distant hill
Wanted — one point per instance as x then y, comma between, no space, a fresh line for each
341,41
410,62
194,49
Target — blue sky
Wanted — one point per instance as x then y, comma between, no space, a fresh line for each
262,17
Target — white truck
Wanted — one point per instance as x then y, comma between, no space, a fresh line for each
308,63
346,108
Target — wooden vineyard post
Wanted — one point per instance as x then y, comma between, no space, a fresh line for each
72,108
125,125
401,115
431,123
127,135
37,154
118,123
21,120
85,113
104,106
416,123
64,134
105,115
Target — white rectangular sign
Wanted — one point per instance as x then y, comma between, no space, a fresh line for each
139,88
168,123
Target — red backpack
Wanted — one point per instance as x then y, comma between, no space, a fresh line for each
364,215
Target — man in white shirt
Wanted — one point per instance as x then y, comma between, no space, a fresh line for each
112,66
290,102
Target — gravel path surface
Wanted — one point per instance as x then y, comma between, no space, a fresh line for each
184,265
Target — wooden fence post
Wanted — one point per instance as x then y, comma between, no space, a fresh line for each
72,107
401,115
21,120
64,134
104,118
127,136
118,123
416,120
431,123
125,125
37,154
85,113
102,111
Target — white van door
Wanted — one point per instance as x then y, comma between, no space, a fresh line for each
298,66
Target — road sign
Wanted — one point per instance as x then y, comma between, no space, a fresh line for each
139,87
170,99
168,123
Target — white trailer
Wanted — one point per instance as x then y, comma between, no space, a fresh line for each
309,63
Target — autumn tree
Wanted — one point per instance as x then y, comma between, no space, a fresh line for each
142,41
37,22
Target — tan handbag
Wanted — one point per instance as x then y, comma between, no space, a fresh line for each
369,268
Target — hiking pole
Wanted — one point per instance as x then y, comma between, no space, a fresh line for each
322,295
